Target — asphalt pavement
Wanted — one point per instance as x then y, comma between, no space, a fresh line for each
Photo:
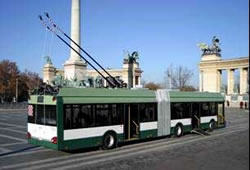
225,148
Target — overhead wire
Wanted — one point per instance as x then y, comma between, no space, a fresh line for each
48,26
53,24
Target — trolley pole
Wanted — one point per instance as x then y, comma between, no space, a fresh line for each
16,90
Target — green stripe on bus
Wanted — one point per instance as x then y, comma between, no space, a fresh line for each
46,144
148,133
206,125
86,142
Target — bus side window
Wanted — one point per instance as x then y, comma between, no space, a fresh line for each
87,116
213,109
186,110
205,109
50,115
176,111
103,115
119,109
148,112
76,116
40,119
142,113
67,117
116,112
173,115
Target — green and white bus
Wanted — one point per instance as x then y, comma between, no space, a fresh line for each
86,117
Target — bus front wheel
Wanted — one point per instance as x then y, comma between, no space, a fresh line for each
178,130
109,141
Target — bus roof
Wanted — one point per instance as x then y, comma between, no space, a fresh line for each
176,96
100,95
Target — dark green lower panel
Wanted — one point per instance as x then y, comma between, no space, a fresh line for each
204,125
187,128
85,143
46,144
148,134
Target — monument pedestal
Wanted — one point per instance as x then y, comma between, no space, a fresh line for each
210,77
48,73
210,57
75,69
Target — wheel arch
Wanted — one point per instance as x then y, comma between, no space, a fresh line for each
179,124
110,131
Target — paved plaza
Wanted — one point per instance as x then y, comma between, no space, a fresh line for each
226,148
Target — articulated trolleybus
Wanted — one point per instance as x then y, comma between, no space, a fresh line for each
85,117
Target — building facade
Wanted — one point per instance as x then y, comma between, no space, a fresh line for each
211,68
50,72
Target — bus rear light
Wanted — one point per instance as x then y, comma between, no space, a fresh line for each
54,140
28,135
54,98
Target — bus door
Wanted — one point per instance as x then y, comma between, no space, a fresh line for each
131,121
195,115
221,115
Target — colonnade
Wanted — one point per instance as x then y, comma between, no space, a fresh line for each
211,75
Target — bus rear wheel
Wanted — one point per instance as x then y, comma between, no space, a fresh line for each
178,130
109,141
211,125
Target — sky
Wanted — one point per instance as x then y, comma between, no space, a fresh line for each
164,32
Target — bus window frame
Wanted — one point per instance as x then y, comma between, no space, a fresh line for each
43,120
93,111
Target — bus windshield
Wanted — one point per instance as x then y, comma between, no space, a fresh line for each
42,114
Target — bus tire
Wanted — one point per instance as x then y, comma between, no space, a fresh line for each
211,125
109,141
178,130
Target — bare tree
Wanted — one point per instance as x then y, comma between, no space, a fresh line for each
178,77
143,82
152,86
12,79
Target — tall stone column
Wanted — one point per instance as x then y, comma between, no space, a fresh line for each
75,29
74,67
201,81
230,81
139,80
243,80
219,72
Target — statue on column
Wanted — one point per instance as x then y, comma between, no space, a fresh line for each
213,49
131,58
48,60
